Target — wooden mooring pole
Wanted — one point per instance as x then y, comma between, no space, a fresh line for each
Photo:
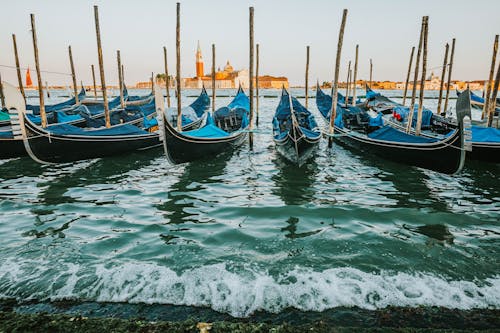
422,80
73,75
257,84
251,69
43,116
355,76
333,111
18,67
178,66
93,81
443,73
167,79
120,78
347,84
371,71
490,78
494,93
415,77
307,77
408,75
213,78
450,69
101,67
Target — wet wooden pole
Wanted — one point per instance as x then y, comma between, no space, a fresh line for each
355,76
408,75
123,76
18,67
333,110
250,74
73,75
93,80
347,84
494,93
43,116
415,77
152,83
422,81
167,80
307,76
443,73
450,69
213,78
257,84
2,96
101,67
371,71
178,66
47,89
490,78
120,78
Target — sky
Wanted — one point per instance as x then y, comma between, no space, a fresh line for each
384,29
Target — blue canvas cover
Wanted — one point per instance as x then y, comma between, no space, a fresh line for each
324,104
207,131
66,129
371,94
201,104
404,112
59,106
388,133
6,134
283,118
98,108
241,100
485,134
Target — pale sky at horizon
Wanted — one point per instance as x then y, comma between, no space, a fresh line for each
385,30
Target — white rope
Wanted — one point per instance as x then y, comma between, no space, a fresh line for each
24,68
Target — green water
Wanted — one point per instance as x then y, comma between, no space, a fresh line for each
246,231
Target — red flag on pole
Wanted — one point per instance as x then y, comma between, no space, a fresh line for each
29,83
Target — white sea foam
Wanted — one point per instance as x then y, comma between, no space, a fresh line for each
241,292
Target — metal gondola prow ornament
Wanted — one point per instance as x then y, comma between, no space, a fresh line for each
464,117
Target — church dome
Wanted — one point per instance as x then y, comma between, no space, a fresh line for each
228,68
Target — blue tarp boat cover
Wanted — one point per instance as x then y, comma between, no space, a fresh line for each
485,134
404,111
201,104
54,107
388,133
371,94
6,134
66,129
207,131
282,118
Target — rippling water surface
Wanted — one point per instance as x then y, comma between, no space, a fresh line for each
246,231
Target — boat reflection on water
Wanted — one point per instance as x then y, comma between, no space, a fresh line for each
439,232
294,185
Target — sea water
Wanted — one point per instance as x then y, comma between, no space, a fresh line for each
246,231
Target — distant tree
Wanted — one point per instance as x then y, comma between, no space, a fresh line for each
326,84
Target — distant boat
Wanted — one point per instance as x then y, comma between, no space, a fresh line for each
29,83
295,131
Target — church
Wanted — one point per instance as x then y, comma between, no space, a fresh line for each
228,78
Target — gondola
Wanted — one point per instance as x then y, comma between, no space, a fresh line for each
62,143
222,132
295,131
35,109
485,141
477,102
355,128
194,115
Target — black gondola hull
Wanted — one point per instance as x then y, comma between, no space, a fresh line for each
11,148
296,147
485,152
50,148
182,149
445,156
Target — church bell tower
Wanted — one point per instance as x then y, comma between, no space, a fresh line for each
199,62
